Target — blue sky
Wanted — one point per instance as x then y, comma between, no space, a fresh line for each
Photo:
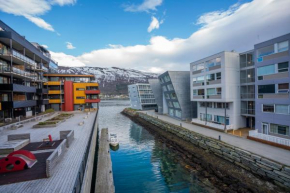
91,25
115,32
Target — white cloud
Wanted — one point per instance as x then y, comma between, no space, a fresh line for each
70,46
66,60
147,5
154,24
32,9
249,24
45,46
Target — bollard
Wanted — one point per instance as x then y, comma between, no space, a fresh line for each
219,138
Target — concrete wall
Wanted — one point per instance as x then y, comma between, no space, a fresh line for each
134,98
274,118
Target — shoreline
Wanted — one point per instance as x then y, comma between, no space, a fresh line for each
223,174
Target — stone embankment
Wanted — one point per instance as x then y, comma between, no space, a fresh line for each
258,165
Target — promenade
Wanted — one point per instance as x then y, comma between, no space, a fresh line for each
274,153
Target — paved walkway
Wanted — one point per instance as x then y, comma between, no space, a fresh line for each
267,151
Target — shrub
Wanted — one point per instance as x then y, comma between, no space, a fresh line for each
49,110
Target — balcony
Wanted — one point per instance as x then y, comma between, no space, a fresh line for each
218,96
273,56
214,82
248,112
17,88
17,104
92,91
92,100
17,72
197,84
42,91
214,67
274,96
18,57
55,92
53,83
248,96
55,101
198,97
247,64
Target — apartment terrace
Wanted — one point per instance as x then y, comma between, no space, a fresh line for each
68,174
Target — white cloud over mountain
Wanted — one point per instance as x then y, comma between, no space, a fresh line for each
154,24
70,46
32,9
147,5
238,28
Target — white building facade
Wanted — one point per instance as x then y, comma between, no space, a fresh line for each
215,85
141,97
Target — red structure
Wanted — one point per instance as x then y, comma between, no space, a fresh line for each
16,161
68,96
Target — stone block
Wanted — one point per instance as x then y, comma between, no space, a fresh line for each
225,149
213,145
282,174
272,164
234,154
264,167
261,172
256,157
242,165
243,152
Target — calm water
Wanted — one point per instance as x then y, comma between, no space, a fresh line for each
143,164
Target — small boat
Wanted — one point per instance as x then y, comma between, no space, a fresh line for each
114,140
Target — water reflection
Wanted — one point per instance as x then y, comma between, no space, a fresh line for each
142,163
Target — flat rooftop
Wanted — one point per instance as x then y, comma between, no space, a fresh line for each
66,171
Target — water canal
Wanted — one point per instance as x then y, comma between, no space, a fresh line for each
143,163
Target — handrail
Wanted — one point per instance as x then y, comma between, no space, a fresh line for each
271,138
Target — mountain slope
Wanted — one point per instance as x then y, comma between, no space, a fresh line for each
111,80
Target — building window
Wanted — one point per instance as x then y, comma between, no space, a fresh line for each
173,95
218,61
210,77
164,88
283,46
266,70
80,89
167,96
80,97
282,109
218,75
176,105
221,119
199,79
166,78
265,51
266,89
170,104
178,113
279,129
268,108
283,88
171,112
170,87
283,67
161,80
211,91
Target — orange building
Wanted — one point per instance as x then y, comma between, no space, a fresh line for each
69,92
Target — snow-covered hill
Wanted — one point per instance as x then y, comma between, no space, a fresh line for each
111,80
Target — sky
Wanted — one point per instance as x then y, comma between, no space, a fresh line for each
146,35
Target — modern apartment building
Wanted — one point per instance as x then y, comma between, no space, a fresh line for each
215,85
69,92
157,91
247,83
22,65
141,97
272,87
176,95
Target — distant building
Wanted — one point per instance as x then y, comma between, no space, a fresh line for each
215,85
158,94
69,92
141,97
272,87
175,87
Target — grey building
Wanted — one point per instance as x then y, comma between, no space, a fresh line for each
272,87
141,97
176,95
158,94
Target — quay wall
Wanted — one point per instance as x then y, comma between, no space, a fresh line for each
263,167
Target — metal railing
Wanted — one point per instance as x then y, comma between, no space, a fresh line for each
248,96
248,80
247,64
212,124
23,58
81,171
270,138
7,69
248,111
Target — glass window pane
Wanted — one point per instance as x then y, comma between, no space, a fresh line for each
268,108
283,109
211,91
270,88
282,46
283,67
218,75
265,70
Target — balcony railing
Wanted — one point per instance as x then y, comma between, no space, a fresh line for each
248,111
212,124
247,64
248,80
270,138
248,96
7,69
